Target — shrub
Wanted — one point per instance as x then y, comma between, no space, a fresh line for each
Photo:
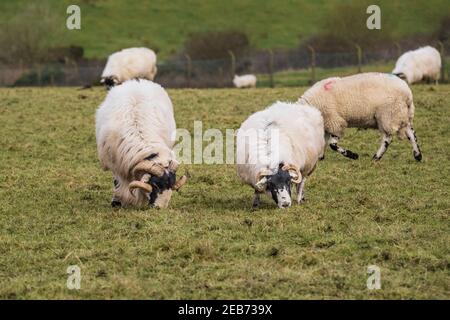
346,26
25,36
443,32
61,54
49,75
215,45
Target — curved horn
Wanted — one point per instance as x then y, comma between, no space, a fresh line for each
291,167
148,166
261,180
262,174
142,184
179,183
173,165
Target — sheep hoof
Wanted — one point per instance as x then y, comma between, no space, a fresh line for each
352,155
375,158
418,157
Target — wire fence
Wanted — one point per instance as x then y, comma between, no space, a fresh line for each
273,68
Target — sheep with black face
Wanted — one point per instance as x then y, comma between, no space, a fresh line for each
135,136
128,64
278,147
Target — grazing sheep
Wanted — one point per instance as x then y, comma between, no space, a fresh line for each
420,64
244,81
127,64
367,100
279,146
135,136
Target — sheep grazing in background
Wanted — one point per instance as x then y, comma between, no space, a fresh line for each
417,65
279,146
245,81
135,135
127,64
367,100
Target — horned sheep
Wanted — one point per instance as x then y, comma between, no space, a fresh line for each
368,100
420,64
279,146
127,64
135,129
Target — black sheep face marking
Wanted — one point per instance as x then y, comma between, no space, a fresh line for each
279,186
109,82
401,76
161,189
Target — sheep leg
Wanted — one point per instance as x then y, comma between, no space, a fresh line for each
385,142
300,191
411,134
256,199
346,153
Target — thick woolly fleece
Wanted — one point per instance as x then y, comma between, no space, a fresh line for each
299,134
131,63
245,81
420,64
367,100
134,121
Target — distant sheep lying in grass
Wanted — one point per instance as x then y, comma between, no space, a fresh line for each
420,64
279,146
244,81
127,64
368,100
134,130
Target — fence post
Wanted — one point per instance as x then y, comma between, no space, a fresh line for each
188,69
359,55
442,52
399,49
39,74
233,62
271,79
313,64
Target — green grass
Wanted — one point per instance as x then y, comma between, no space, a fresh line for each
55,211
302,77
293,78
108,26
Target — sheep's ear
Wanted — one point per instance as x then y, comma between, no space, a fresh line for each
102,80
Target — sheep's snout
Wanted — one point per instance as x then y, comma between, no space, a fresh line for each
283,198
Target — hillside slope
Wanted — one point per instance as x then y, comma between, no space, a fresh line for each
114,24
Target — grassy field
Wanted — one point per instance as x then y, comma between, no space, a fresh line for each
55,211
302,77
107,26
294,78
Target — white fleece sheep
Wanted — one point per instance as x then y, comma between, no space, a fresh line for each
244,81
277,146
367,100
127,64
420,64
135,135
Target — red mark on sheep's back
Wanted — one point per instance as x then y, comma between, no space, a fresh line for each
328,85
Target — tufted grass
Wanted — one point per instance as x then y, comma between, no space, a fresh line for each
55,211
